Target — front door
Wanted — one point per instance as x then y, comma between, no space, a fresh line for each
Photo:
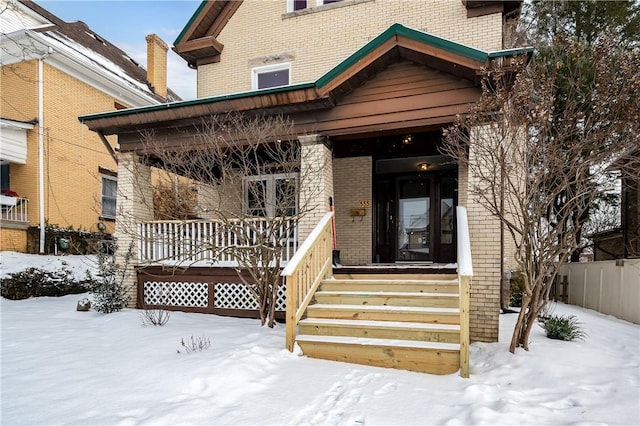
413,226
414,218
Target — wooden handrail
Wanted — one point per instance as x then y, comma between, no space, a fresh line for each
305,271
465,273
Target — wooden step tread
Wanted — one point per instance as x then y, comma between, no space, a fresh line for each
453,281
368,341
385,308
381,324
386,293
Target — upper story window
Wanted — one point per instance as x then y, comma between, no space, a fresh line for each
293,5
271,76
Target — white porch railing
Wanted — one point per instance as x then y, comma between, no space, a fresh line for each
465,272
204,243
13,209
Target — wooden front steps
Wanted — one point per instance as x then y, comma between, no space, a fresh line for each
409,322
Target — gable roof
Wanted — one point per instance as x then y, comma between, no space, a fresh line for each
396,43
80,42
197,42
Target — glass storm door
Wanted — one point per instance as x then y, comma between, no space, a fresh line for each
414,217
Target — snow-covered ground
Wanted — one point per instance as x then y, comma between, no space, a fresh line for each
60,366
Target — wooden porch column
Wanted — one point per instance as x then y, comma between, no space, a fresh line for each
316,181
134,204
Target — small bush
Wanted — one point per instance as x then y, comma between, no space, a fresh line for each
195,344
563,328
517,289
108,290
34,282
157,317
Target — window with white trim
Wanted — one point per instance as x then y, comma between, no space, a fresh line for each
109,194
271,195
275,75
293,5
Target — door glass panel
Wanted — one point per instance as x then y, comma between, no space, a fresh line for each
447,208
413,221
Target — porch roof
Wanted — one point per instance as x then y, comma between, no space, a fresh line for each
397,42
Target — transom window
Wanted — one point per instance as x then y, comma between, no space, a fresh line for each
276,75
272,195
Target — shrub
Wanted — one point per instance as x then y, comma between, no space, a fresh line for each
34,282
108,290
517,289
563,328
195,344
158,317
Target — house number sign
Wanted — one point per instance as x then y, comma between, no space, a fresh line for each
365,204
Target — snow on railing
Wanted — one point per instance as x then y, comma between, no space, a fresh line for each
207,243
465,272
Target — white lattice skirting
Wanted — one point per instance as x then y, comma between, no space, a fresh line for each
238,296
176,294
194,294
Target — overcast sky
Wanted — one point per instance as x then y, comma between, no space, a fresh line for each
126,23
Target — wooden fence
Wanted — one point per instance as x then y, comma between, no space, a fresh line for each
611,287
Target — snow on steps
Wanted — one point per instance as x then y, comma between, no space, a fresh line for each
396,322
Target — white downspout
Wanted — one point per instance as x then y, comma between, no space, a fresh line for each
41,147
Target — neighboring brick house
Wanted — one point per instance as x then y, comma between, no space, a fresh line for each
56,172
369,86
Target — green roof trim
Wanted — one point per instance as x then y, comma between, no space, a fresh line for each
422,37
200,101
394,30
193,18
400,30
511,52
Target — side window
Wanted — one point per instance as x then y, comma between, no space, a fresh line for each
268,196
4,177
109,194
256,197
298,4
271,76
286,195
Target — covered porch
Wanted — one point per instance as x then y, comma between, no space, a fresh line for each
370,130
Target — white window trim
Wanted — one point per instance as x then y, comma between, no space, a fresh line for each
271,202
269,68
111,178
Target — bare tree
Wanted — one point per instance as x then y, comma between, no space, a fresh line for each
243,173
538,177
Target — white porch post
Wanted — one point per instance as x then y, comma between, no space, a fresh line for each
316,182
134,204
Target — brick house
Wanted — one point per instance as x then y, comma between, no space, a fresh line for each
369,86
57,173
